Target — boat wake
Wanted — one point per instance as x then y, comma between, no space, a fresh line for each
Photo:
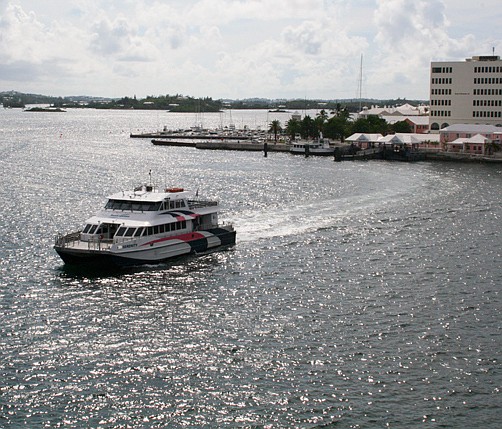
299,219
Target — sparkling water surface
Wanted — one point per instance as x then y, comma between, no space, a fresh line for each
358,295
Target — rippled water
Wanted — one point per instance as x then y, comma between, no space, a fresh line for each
359,294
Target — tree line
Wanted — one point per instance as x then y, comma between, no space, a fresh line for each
181,103
337,127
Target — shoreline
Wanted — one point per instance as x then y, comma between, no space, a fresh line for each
254,146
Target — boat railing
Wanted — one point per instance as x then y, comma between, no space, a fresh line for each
74,239
68,239
194,204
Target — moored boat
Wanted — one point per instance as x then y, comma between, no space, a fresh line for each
146,226
320,147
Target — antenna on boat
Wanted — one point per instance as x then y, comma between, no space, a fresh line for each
150,174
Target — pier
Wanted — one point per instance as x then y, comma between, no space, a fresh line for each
246,145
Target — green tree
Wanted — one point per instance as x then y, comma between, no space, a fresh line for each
308,128
371,124
401,127
275,127
337,127
320,120
293,127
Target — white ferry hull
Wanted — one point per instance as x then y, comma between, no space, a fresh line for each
157,251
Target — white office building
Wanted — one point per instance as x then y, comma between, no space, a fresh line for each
466,92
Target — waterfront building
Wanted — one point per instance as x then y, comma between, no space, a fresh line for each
476,145
418,124
364,140
416,116
471,138
419,140
467,92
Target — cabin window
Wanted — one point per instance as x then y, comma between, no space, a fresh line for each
130,232
121,231
102,229
93,229
156,229
87,228
133,205
138,232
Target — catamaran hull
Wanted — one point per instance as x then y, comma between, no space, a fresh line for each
156,252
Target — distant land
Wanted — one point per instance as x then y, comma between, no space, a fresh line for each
182,103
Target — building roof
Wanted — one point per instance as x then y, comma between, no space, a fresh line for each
403,110
477,139
363,137
471,128
407,138
422,138
400,138
417,120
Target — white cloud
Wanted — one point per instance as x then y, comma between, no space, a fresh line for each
237,48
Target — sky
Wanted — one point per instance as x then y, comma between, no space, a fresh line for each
277,49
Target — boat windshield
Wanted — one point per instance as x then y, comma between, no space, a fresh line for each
142,206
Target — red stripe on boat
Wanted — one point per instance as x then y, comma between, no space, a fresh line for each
183,237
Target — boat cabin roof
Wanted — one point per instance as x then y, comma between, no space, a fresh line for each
150,193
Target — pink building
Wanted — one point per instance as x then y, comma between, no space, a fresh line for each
472,139
476,145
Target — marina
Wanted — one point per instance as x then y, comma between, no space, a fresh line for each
197,133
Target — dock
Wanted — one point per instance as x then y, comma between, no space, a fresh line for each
390,153
246,145
174,142
253,146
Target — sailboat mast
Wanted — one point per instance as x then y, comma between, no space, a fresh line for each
361,83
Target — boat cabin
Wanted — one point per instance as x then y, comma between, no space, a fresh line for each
146,212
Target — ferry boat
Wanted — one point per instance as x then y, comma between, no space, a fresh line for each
146,226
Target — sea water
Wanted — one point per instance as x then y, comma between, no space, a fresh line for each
358,294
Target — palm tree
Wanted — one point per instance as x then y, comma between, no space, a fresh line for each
309,128
321,119
275,127
293,127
